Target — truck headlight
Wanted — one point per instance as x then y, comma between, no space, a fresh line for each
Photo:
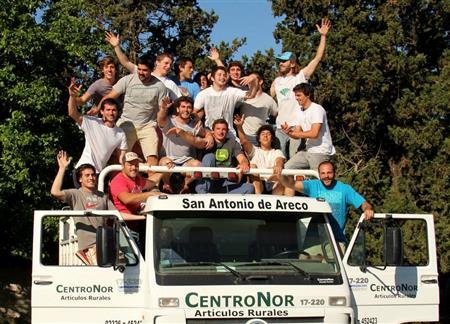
169,302
337,301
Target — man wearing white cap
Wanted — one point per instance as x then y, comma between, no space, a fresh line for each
290,75
127,188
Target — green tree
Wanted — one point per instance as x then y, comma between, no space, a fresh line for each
384,83
43,44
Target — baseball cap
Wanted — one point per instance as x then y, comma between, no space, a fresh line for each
286,56
131,156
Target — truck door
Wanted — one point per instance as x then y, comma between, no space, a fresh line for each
64,290
393,290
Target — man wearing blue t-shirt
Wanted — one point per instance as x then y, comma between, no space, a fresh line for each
338,194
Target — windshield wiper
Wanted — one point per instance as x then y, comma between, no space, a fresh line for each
231,270
269,263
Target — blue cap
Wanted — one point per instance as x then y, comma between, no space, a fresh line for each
286,56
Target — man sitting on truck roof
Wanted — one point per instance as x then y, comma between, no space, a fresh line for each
85,198
178,152
338,194
264,156
225,153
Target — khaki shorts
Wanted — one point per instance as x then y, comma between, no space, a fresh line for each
145,134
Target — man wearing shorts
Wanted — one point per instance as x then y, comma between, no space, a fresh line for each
143,94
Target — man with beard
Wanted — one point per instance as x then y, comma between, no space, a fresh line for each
143,94
179,152
289,76
102,136
338,194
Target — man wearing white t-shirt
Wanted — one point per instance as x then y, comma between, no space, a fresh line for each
102,135
290,75
163,65
219,100
313,126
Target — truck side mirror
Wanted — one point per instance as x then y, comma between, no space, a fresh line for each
106,246
393,246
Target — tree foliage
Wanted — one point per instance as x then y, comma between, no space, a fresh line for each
43,44
384,83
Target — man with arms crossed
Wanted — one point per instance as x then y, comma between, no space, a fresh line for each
313,127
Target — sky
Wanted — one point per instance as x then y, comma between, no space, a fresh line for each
252,19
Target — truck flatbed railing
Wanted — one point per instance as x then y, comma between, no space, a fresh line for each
204,172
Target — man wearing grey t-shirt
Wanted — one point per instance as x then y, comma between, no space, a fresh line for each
256,110
179,152
87,197
143,94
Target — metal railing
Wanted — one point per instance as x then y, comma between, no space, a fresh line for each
205,172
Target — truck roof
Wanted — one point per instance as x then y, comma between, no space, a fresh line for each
224,202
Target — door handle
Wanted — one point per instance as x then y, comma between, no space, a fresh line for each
42,282
429,279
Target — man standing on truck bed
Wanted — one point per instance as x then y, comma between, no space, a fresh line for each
102,136
85,198
338,194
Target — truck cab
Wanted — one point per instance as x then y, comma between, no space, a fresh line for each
251,259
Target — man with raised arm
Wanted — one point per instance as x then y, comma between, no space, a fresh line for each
161,69
101,87
178,151
143,94
290,75
87,197
263,156
102,136
338,194
235,70
219,100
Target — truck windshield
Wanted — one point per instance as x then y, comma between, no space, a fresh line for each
201,247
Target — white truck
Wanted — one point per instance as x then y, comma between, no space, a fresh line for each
251,259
